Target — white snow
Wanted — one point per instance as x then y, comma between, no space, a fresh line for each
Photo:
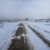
6,32
8,29
41,27
36,42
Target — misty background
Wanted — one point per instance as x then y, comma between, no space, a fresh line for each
13,9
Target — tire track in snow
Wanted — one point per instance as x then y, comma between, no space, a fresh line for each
42,37
19,40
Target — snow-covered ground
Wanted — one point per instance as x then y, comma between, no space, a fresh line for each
6,33
41,27
36,42
8,29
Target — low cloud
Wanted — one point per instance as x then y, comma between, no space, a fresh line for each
24,8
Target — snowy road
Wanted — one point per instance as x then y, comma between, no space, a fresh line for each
41,36
36,42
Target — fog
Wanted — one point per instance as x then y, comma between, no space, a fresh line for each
11,9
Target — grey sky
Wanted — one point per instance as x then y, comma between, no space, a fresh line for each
24,8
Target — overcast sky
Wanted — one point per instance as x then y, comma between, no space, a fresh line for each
24,8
